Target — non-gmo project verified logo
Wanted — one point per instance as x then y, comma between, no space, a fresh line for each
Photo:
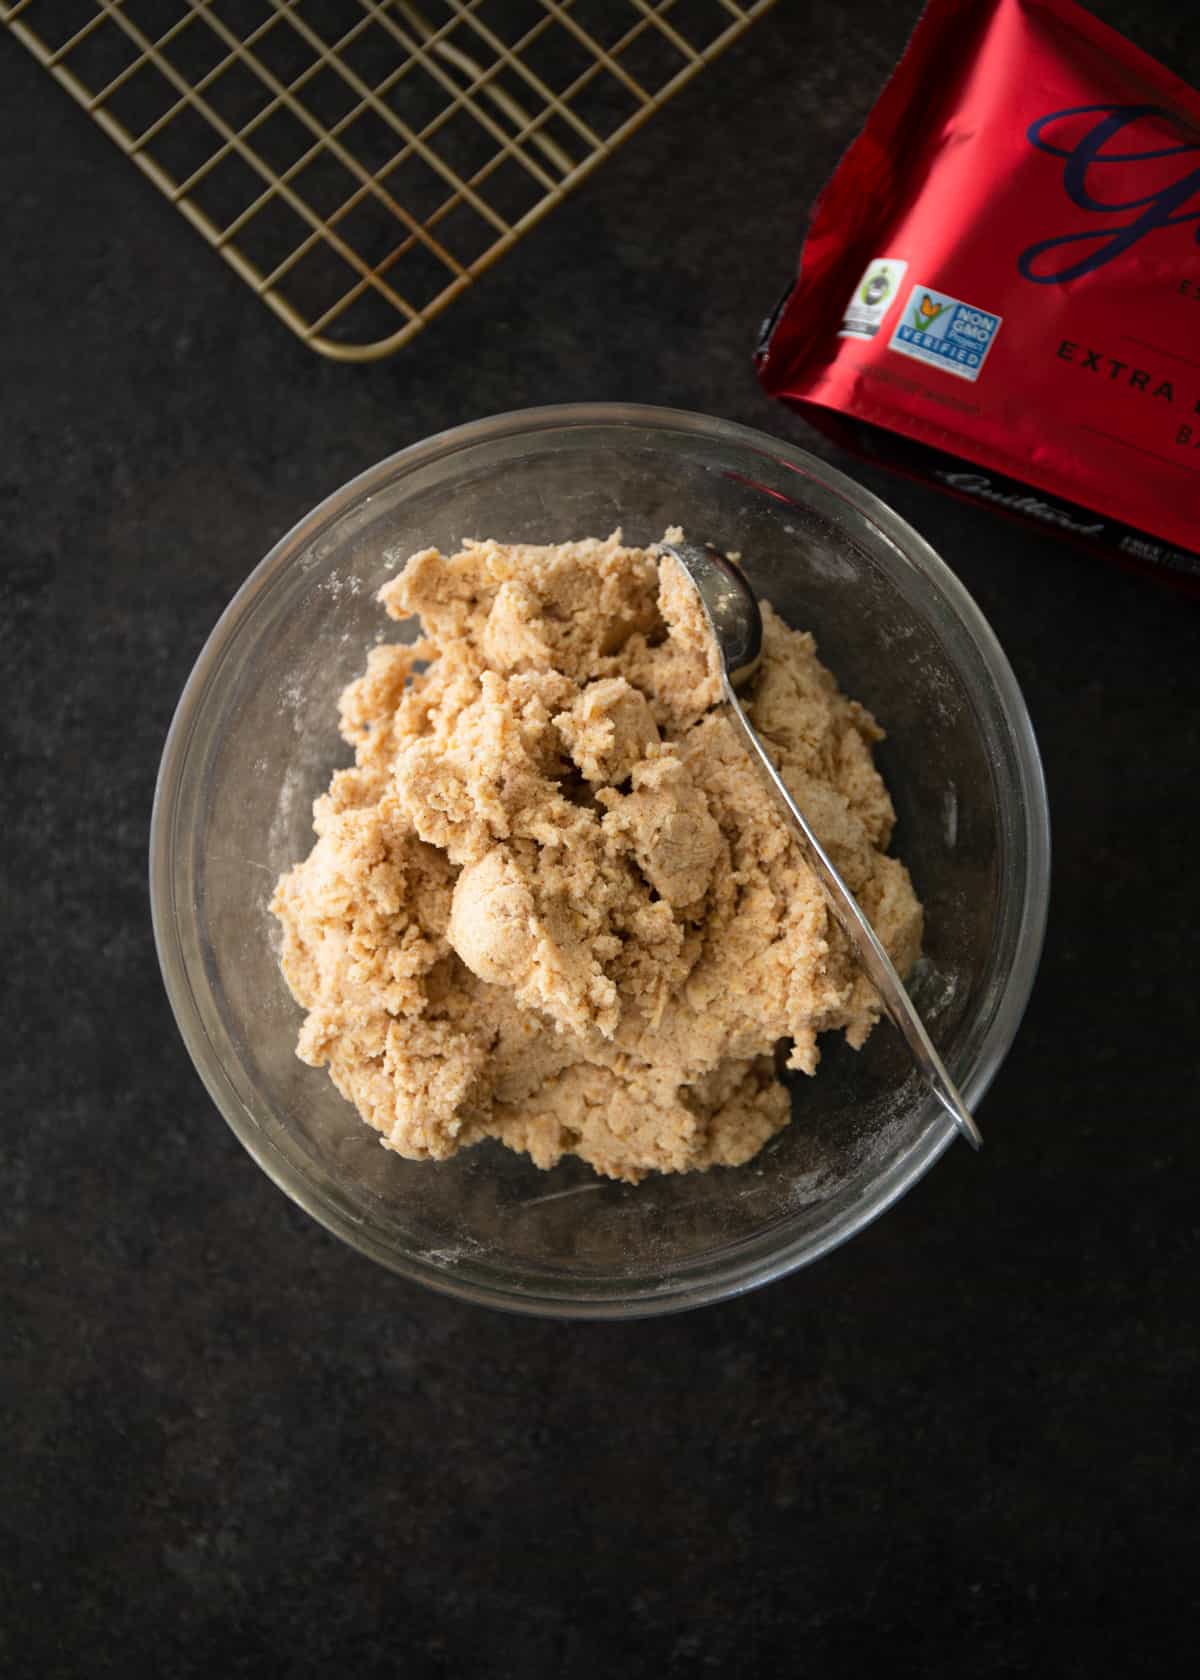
944,333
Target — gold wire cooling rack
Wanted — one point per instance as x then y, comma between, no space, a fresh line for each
360,162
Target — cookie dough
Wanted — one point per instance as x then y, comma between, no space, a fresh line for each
552,902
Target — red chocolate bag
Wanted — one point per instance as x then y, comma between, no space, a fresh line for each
1000,287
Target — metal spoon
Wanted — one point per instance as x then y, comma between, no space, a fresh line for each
732,610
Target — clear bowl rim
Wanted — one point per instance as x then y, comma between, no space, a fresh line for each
733,1279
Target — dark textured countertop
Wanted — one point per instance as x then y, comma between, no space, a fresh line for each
964,1444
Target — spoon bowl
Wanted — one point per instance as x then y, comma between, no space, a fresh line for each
255,737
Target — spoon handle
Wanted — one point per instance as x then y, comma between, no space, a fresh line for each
876,964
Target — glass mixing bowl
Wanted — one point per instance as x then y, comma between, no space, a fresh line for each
254,741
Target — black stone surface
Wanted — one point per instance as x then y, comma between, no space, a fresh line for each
965,1444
